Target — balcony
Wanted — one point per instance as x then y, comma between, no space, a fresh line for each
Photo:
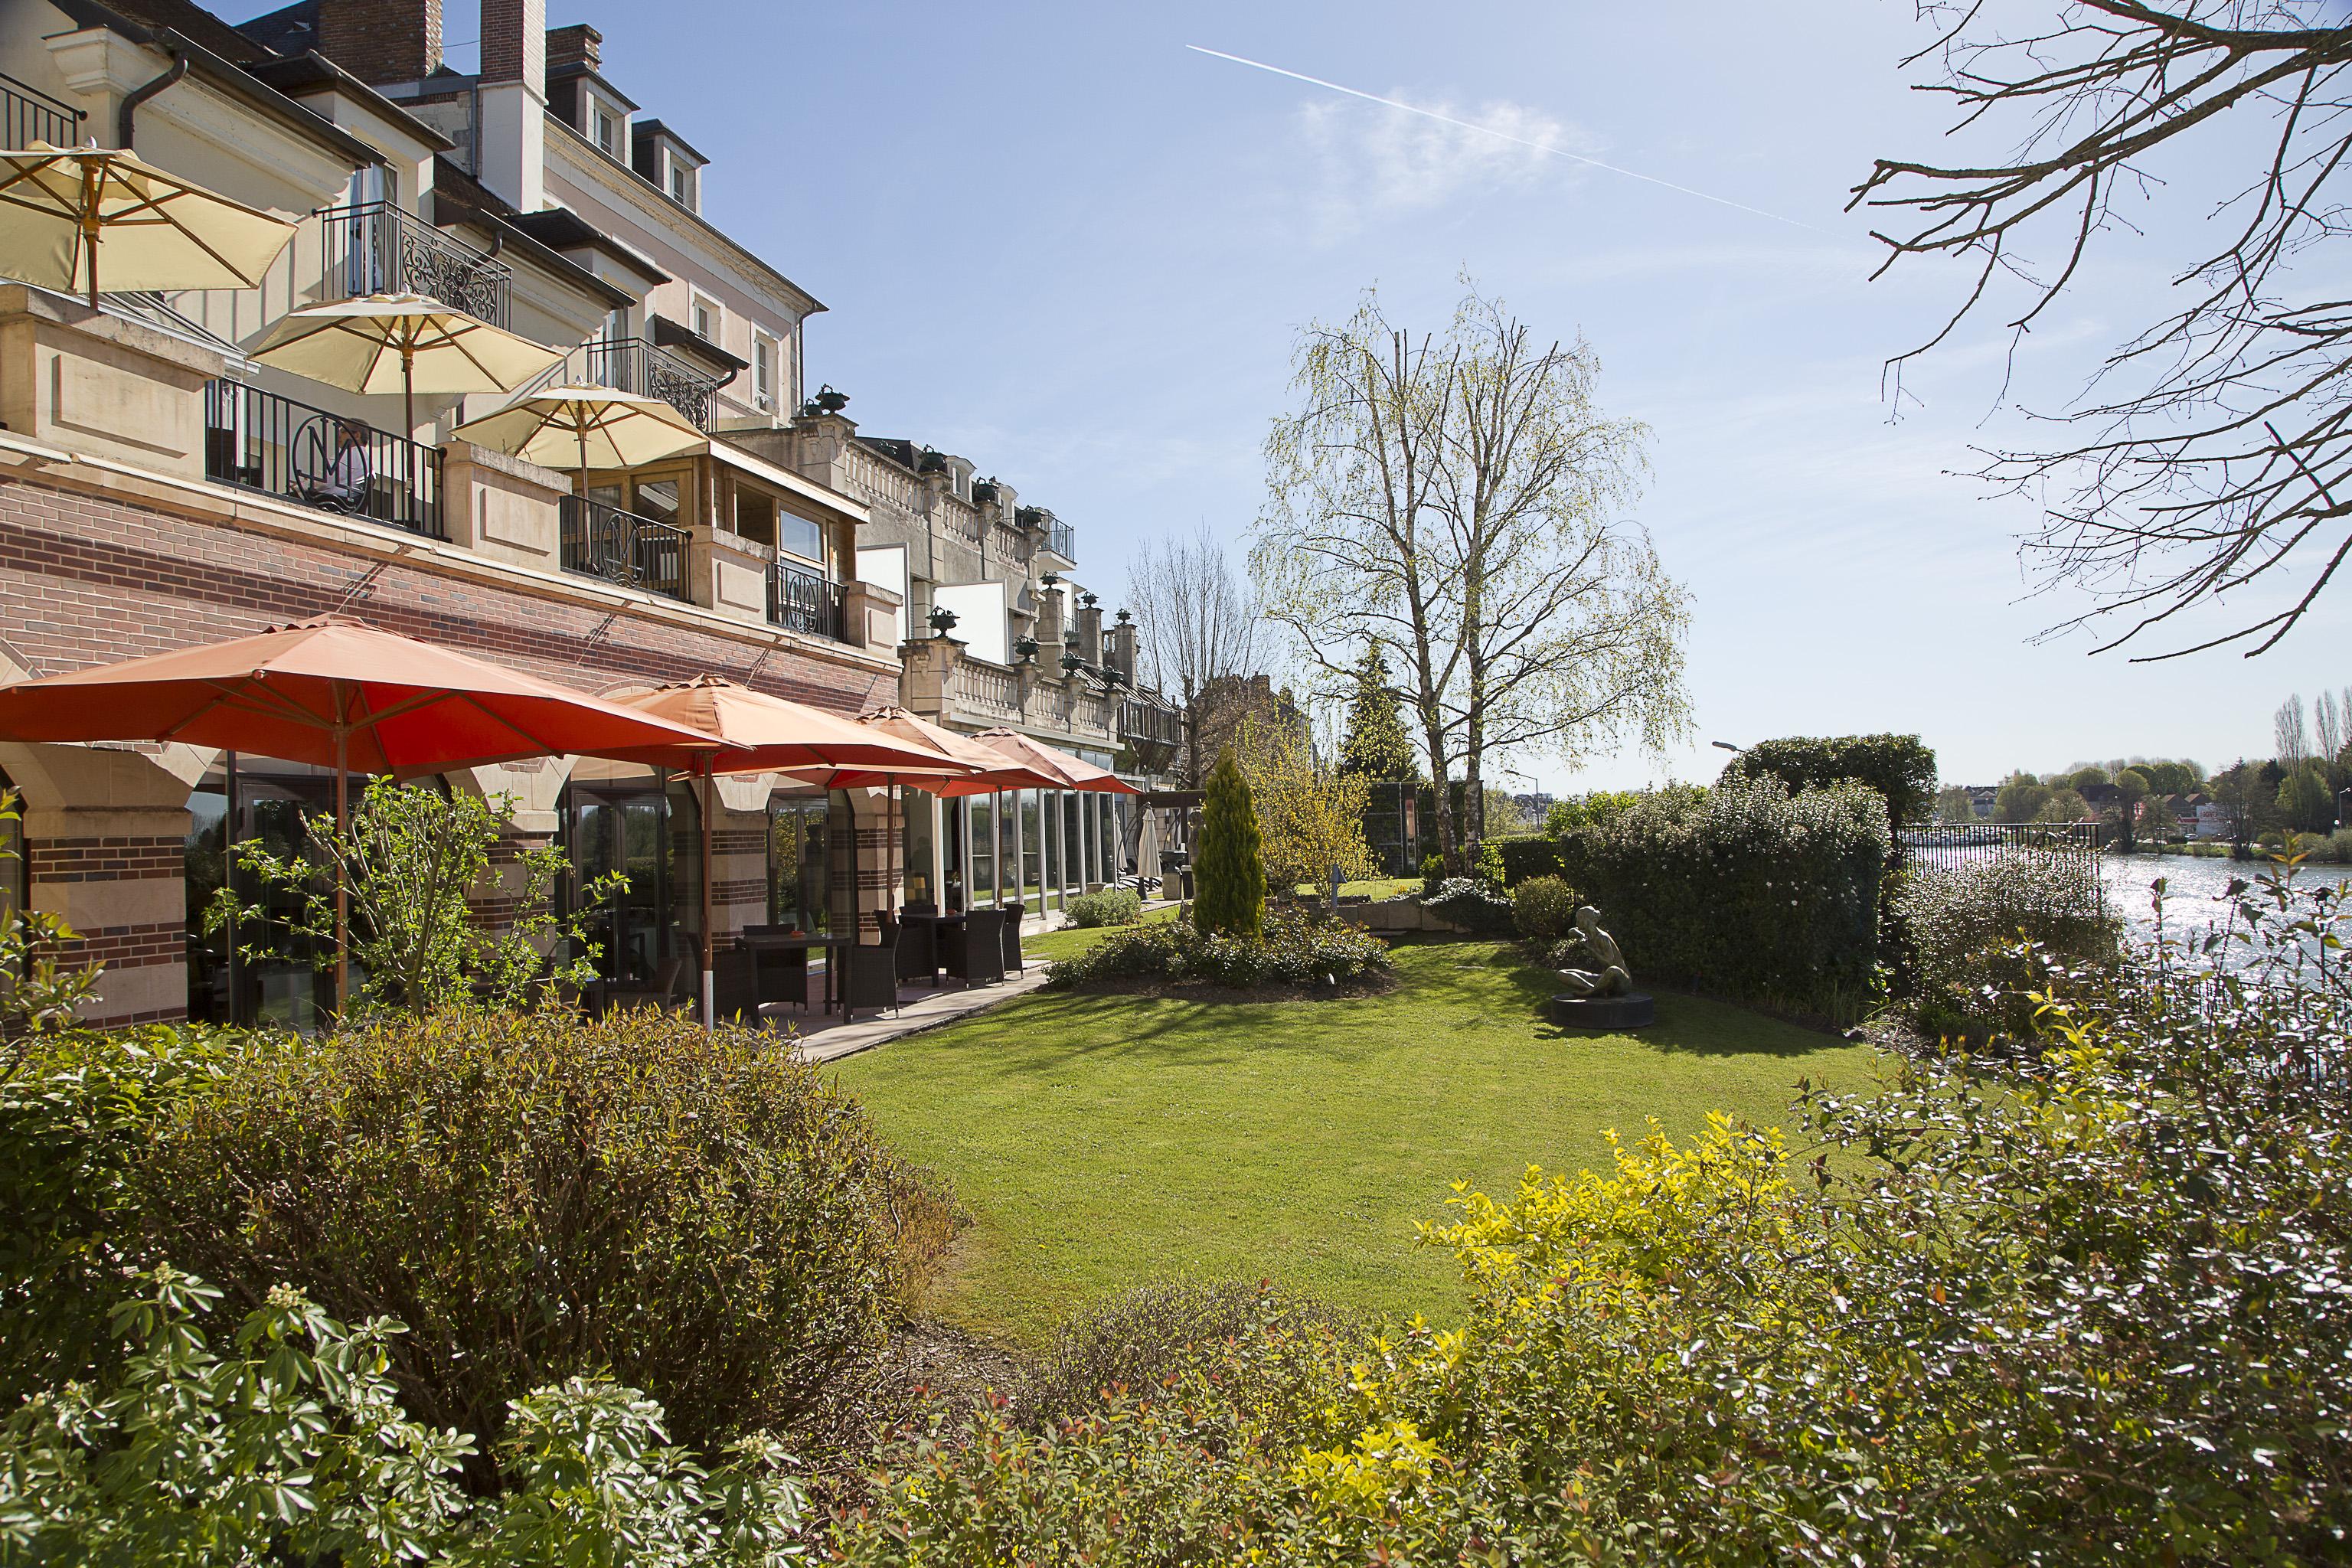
803,602
28,115
1054,536
601,540
377,249
631,364
263,442
1150,722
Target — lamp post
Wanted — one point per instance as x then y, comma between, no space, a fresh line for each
1728,746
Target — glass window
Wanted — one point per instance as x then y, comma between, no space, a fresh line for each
1052,813
608,133
703,318
764,367
658,500
800,537
918,807
1033,844
796,863
628,819
1074,834
983,850
1008,849
681,181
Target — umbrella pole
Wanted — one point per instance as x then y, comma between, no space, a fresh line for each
343,883
709,980
93,181
408,392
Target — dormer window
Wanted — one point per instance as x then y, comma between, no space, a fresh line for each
662,156
681,182
608,132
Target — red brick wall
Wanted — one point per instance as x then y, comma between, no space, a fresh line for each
85,580
382,41
514,41
103,860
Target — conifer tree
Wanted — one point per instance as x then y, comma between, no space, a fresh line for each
1228,877
1376,746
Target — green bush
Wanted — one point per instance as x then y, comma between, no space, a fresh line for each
1153,1337
1297,947
2084,1312
1229,874
287,1444
1543,911
75,1113
697,1213
1111,906
1743,889
1899,769
1967,926
1526,856
1471,905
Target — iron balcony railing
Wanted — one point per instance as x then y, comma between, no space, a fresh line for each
603,540
803,602
281,448
1060,540
378,248
631,364
1147,721
28,115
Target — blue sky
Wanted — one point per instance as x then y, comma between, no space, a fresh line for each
1054,239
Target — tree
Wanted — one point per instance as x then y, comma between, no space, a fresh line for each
1228,875
2063,805
2159,823
1953,803
2172,778
2305,803
1309,819
1376,746
2292,740
1194,630
2327,720
411,858
1457,503
2245,801
2019,798
2131,788
2084,778
2210,452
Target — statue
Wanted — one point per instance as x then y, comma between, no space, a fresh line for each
1610,976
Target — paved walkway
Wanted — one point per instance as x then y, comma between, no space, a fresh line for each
833,1041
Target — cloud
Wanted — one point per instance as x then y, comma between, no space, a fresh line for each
1373,162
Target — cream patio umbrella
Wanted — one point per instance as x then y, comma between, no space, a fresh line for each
584,427
408,342
63,213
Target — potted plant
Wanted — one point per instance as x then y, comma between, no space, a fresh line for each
933,461
828,401
984,492
942,619
1072,664
1089,600
1025,647
1124,617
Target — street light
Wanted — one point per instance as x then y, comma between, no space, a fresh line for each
1728,746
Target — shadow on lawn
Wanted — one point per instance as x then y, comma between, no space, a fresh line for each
1043,1034
1697,1025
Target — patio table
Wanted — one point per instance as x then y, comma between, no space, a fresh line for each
833,986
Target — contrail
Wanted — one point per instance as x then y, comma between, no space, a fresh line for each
1501,136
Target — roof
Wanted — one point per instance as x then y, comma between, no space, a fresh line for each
196,25
457,194
669,335
310,68
646,130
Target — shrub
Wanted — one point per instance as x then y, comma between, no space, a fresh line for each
1432,874
1543,910
1297,947
1154,1337
698,1213
1471,905
1968,924
287,1445
1899,769
1228,875
2084,1313
1745,889
1526,856
1111,906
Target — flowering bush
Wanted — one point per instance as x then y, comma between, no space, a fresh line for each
1471,905
1980,937
1297,948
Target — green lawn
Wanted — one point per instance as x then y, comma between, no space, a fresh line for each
1103,1140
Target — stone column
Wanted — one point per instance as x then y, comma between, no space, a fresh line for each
866,836
739,855
927,675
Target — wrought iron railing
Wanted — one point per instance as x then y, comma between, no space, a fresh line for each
601,540
28,115
1147,721
281,448
803,602
631,364
2073,846
378,248
1060,540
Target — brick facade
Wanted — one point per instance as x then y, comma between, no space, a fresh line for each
382,41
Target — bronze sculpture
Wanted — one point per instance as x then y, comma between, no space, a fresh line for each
1610,976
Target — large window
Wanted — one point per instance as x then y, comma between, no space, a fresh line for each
981,809
243,799
796,863
641,823
799,536
763,369
917,847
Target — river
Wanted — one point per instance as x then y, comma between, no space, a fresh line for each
2195,893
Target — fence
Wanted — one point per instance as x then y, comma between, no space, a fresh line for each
803,602
1936,847
264,442
603,540
377,249
28,115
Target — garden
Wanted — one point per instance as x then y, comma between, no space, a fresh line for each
1925,1221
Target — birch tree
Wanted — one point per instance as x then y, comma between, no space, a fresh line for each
1457,503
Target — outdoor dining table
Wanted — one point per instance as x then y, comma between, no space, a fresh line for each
834,986
932,923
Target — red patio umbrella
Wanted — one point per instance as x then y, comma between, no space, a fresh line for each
339,693
764,734
1067,770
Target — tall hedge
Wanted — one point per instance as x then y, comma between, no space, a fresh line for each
1900,768
1229,873
1746,891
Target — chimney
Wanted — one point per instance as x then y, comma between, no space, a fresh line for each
514,43
382,41
577,45
1120,656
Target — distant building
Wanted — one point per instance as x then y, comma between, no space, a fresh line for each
2212,822
1533,806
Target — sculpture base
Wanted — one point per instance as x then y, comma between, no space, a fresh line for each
1631,1011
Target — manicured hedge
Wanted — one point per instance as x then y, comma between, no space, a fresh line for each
1526,856
1745,890
1900,768
1295,948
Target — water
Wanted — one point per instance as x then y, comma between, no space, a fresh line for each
2195,894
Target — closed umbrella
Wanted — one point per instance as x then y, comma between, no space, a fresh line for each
339,693
765,733
64,215
404,342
